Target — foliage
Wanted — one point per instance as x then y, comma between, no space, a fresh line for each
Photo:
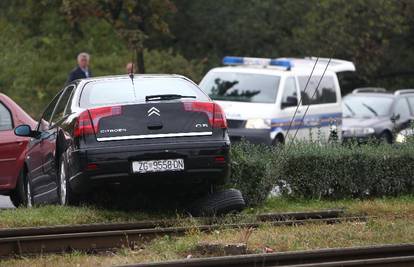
313,171
41,38
252,171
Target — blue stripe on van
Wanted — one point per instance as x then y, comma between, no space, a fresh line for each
318,120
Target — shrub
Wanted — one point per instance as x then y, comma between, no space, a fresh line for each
314,171
310,170
252,171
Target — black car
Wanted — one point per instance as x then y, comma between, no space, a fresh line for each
375,113
142,130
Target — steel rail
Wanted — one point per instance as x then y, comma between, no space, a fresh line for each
400,255
82,228
105,240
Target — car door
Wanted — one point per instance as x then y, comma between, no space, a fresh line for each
11,147
323,110
41,184
288,106
402,113
48,146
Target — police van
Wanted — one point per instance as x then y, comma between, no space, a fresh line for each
272,100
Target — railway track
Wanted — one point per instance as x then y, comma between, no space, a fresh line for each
379,256
99,237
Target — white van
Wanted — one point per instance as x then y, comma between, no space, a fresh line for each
260,96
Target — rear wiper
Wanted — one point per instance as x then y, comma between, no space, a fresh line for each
166,97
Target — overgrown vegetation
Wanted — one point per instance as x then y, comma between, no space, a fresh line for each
41,38
315,171
383,230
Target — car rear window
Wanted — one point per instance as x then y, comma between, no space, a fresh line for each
124,91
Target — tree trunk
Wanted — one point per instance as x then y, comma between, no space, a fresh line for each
140,60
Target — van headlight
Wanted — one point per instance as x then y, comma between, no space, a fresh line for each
359,131
258,123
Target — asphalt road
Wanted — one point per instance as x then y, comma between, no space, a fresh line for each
5,202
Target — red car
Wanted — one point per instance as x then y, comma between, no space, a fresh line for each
12,150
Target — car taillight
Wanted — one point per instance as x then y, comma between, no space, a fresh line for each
216,116
220,120
88,120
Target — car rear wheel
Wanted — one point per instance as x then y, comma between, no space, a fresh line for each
62,181
21,196
219,203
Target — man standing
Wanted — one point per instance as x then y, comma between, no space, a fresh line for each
82,70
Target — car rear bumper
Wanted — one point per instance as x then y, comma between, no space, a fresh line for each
97,166
255,136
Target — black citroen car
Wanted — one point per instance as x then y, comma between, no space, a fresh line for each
147,129
374,113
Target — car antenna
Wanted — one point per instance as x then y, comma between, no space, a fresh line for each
131,74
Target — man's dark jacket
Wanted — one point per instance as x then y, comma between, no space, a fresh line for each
77,73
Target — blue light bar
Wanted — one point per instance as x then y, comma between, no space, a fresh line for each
233,61
281,63
257,61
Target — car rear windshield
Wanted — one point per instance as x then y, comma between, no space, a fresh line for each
243,87
124,91
366,106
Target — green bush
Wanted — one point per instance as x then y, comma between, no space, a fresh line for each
252,171
323,171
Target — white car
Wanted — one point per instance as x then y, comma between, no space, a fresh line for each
265,100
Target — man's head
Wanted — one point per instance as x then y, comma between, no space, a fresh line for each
130,68
83,60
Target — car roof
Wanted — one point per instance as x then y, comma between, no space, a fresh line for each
112,77
384,94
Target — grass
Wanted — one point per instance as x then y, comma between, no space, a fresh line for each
56,215
285,238
379,206
392,225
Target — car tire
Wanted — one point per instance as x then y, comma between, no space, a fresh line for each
219,203
277,142
18,194
63,190
21,196
386,138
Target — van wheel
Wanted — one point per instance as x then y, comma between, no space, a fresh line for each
278,141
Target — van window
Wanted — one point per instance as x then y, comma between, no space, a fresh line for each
242,87
290,93
312,94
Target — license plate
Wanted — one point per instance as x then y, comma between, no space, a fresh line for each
162,165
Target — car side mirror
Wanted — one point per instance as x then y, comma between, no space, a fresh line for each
25,131
395,117
291,101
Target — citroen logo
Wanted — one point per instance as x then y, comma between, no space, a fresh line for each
153,111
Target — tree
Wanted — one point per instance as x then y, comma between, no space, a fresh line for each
136,21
